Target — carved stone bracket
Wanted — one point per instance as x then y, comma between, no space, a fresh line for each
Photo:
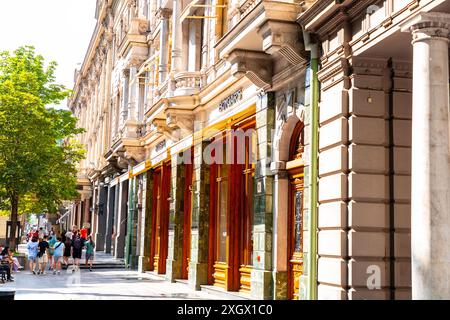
283,38
134,155
256,66
180,120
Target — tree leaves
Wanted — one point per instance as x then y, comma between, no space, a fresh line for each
38,153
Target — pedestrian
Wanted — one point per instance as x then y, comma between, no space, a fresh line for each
90,246
83,233
58,255
36,234
63,236
77,248
43,254
32,247
41,233
67,248
51,250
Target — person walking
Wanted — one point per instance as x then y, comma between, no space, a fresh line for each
32,248
83,233
51,250
58,256
43,254
90,246
67,249
77,248
41,233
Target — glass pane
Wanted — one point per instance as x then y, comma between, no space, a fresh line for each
298,221
222,225
250,219
224,170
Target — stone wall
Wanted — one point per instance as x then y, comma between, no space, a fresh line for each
364,185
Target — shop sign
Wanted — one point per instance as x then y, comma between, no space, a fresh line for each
161,145
231,100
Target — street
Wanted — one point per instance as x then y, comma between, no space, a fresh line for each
104,284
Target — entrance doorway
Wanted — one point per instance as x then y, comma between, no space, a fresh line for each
231,212
187,216
295,213
160,217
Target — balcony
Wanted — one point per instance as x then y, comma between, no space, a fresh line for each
264,26
187,83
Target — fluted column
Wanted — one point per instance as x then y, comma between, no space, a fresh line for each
176,37
134,94
430,201
124,107
164,15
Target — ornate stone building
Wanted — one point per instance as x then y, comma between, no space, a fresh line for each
263,148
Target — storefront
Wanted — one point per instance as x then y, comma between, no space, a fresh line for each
231,208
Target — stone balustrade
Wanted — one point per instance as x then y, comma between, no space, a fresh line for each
187,83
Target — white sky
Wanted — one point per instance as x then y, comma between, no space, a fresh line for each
60,30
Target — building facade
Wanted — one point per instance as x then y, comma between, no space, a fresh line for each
264,147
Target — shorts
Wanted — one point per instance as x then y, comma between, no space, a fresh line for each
57,259
43,259
76,254
32,258
89,256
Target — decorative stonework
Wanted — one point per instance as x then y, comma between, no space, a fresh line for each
428,25
283,38
256,66
182,120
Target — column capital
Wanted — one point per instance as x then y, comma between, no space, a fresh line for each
164,13
428,25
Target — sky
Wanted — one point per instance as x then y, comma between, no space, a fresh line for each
60,30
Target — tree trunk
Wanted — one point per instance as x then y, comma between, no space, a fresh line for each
14,210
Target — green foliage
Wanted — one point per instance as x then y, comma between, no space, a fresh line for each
38,154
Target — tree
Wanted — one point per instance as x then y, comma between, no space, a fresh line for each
38,154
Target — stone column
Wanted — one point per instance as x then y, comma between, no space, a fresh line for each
261,277
125,94
116,216
101,218
175,254
134,94
94,211
131,252
86,210
280,250
164,15
198,265
110,218
122,220
146,223
176,37
430,200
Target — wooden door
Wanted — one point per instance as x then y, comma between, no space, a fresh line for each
295,234
295,213
161,192
154,245
187,220
231,221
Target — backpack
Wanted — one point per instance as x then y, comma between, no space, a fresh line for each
77,243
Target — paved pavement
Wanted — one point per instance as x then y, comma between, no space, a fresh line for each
99,285
111,283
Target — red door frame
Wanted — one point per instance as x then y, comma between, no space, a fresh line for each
187,216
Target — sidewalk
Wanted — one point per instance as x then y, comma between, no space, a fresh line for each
102,260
